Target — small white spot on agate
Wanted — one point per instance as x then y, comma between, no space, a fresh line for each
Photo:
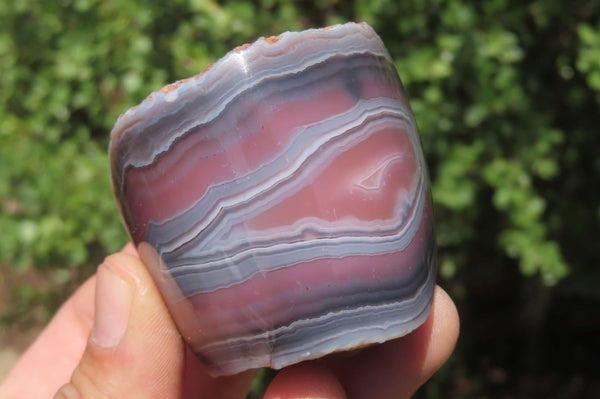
171,96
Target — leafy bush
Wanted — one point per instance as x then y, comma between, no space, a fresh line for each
505,92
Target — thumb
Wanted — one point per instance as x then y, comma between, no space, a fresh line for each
134,349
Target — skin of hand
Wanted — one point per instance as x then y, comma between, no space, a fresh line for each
114,338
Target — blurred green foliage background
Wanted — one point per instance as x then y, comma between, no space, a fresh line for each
506,94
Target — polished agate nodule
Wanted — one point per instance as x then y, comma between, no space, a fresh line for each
280,199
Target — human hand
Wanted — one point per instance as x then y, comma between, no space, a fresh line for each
114,338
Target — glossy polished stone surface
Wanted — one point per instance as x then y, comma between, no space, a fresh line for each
280,199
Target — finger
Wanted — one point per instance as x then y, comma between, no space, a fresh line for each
123,298
399,367
134,349
129,249
305,380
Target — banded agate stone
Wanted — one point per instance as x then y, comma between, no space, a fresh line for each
280,200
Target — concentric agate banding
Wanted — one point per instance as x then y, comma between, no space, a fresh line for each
280,199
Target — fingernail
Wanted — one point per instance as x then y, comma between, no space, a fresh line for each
113,305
